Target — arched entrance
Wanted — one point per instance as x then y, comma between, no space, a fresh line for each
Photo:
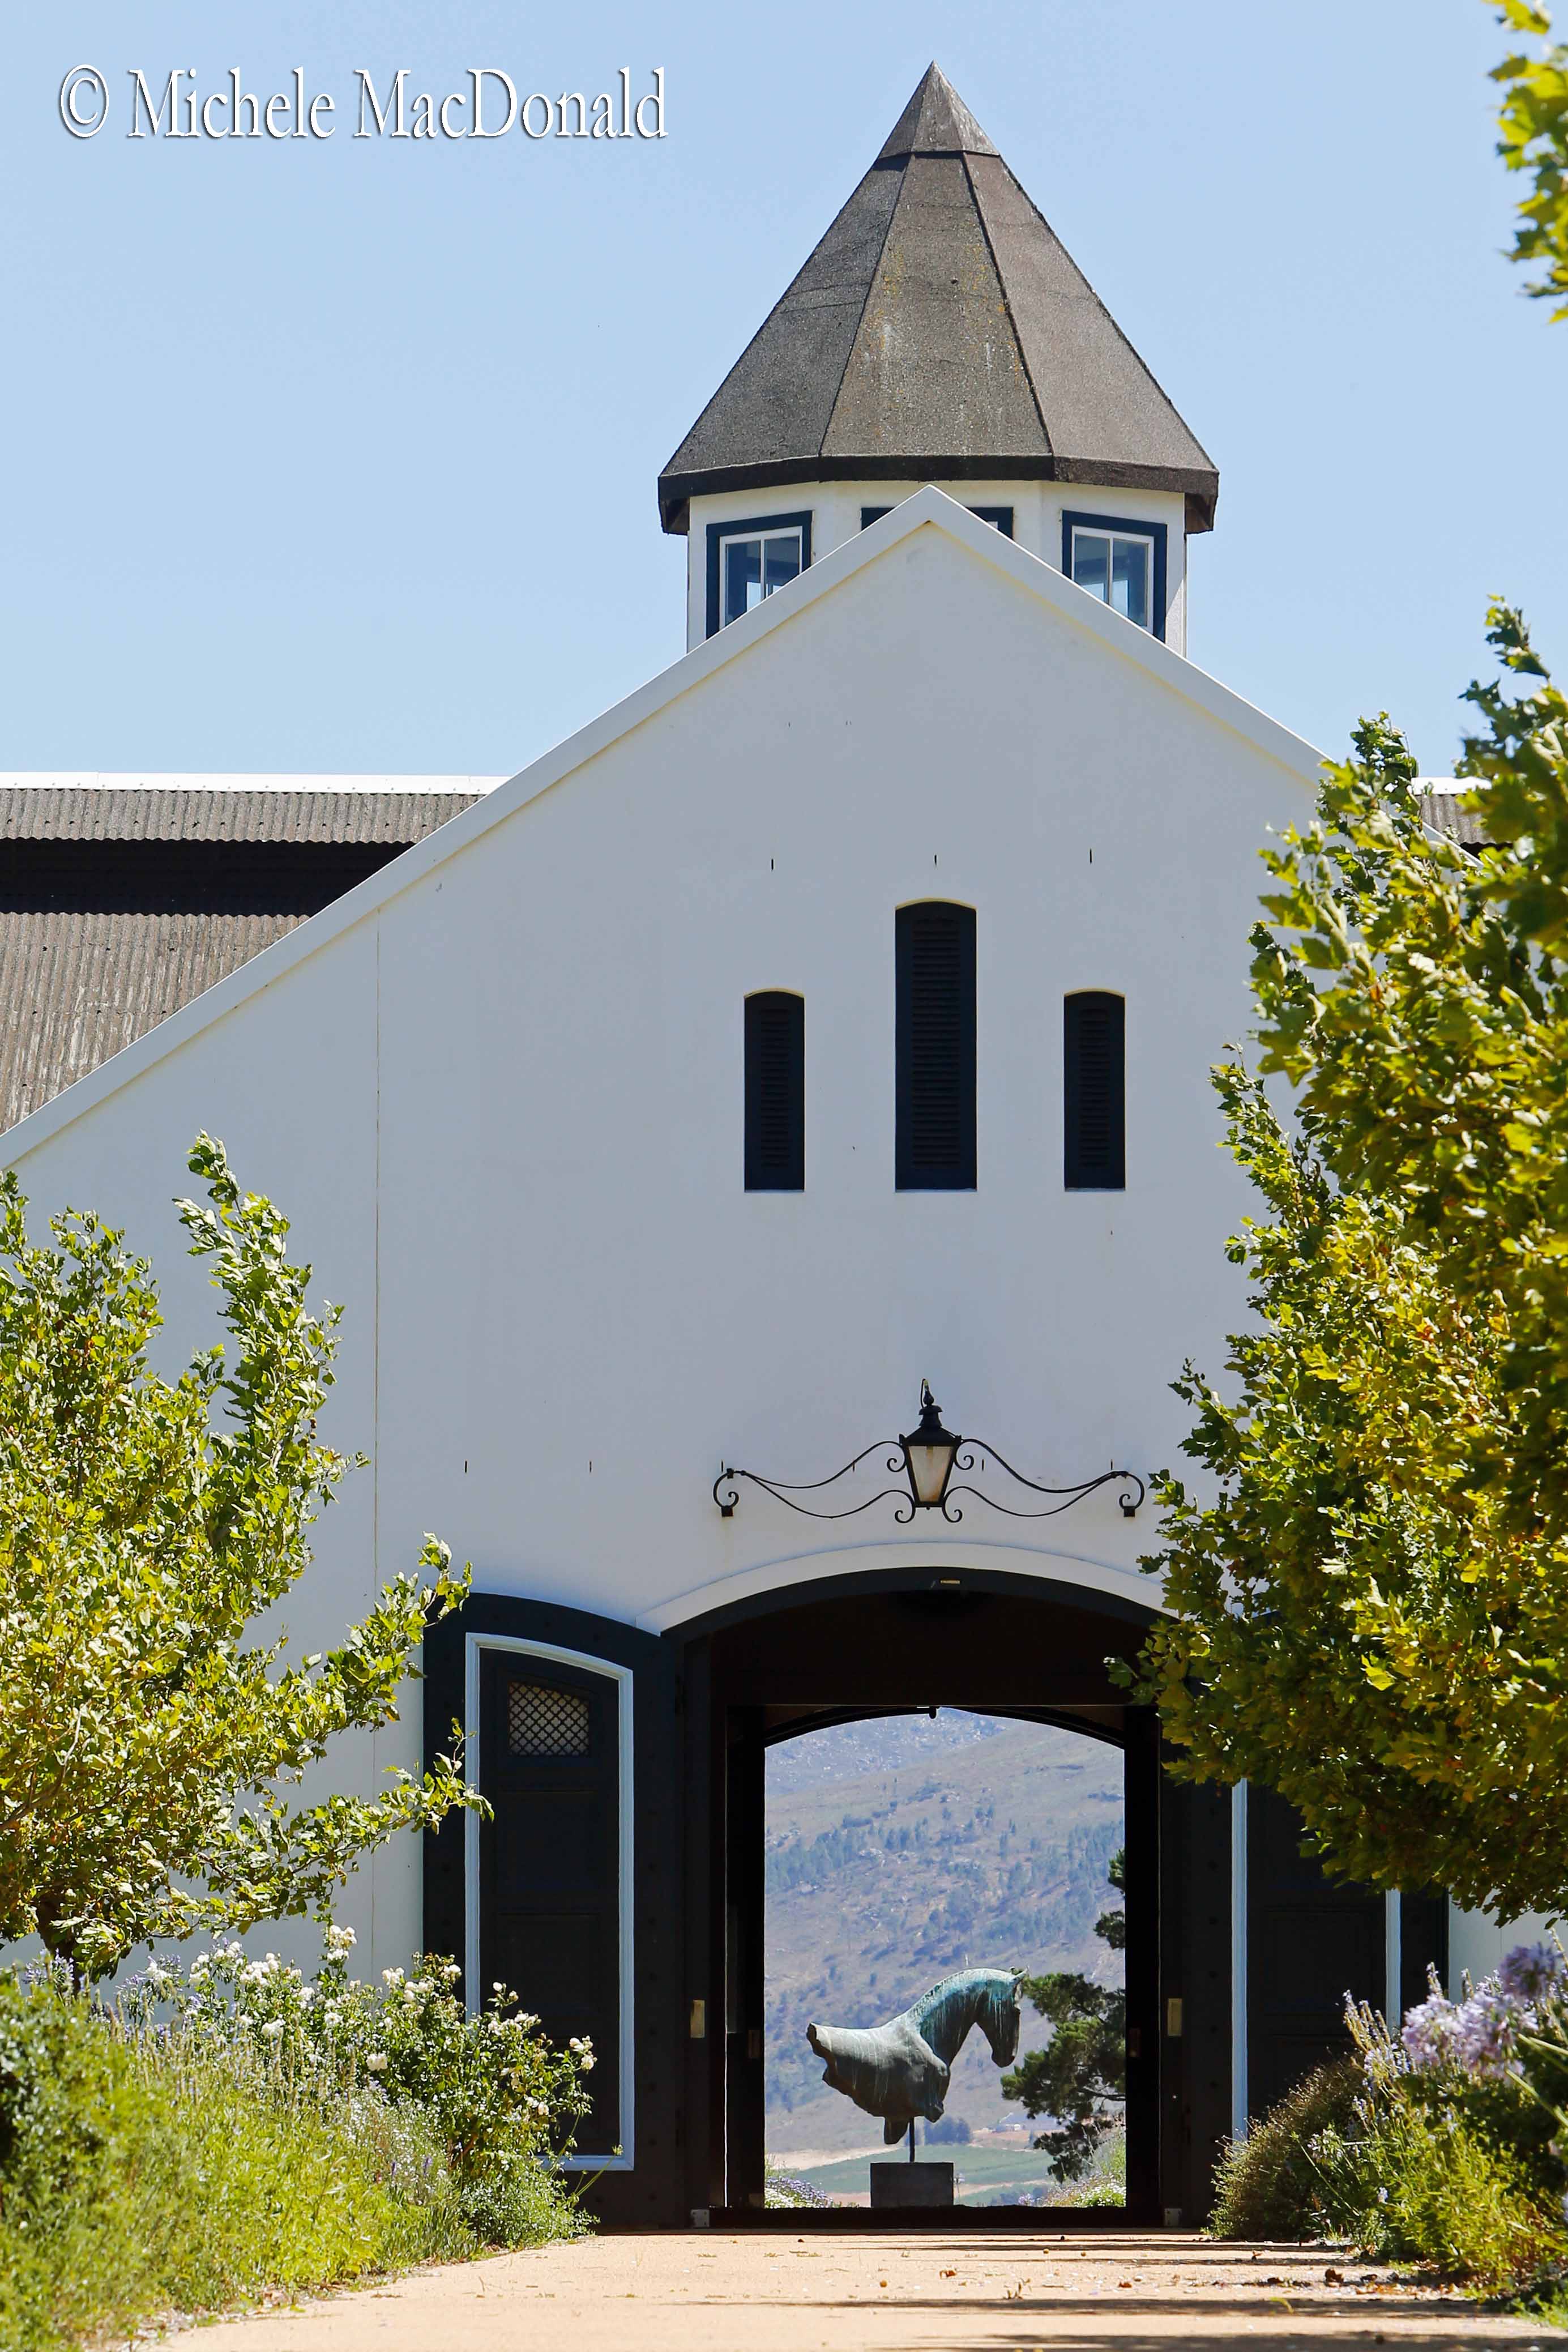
778,1665
649,1934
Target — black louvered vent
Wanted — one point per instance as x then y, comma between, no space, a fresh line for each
775,1092
934,1151
1094,1122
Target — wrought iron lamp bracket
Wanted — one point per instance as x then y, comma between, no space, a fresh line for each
784,1490
971,1455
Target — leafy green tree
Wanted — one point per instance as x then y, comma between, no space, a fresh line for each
1371,1590
1080,2078
1534,124
1355,1622
145,1748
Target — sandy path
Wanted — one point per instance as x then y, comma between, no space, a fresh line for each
702,2292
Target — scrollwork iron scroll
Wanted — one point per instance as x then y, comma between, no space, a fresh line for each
1133,1489
784,1490
973,1455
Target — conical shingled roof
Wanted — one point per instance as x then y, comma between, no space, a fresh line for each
939,331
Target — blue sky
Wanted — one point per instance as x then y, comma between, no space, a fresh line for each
341,456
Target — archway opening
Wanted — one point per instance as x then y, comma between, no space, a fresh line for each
900,1849
986,1645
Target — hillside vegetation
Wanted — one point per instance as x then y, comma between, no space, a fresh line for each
902,1850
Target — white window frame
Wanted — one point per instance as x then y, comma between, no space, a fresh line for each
1134,537
580,2161
743,538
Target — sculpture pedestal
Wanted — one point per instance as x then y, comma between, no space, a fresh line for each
896,2186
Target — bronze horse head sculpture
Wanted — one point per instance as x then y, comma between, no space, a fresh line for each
902,2069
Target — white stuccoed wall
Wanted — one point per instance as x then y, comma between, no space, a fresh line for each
1477,1943
499,1091
1037,508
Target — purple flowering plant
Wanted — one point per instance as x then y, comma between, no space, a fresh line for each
1511,2029
1508,2024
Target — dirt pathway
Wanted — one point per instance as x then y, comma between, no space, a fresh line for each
702,2292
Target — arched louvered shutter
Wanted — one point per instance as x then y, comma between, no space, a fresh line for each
935,1144
1094,1121
775,1092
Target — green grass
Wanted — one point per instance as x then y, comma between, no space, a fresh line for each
139,2178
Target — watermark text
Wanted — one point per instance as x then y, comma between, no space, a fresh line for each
490,103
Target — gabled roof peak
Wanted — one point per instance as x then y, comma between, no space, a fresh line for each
935,122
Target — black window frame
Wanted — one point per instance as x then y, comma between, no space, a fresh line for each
1107,1173
1128,527
749,527
1001,518
766,1171
912,1172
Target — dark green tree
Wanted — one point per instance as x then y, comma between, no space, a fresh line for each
1080,2078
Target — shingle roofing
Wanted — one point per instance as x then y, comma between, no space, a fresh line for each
120,899
939,331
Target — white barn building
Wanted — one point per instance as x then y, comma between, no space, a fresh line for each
835,1012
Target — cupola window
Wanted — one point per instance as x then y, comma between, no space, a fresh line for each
747,562
1121,563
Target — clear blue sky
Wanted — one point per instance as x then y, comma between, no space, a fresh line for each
342,457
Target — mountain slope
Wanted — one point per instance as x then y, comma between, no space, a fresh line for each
901,1850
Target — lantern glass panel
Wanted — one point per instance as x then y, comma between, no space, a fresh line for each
928,1467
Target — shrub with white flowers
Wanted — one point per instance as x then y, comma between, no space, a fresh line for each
502,2098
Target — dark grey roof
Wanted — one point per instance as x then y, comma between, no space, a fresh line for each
1445,813
935,122
165,811
940,331
120,902
77,986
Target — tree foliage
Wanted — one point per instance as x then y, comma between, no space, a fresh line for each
1080,2078
1533,121
145,1748
1373,1600
1370,1590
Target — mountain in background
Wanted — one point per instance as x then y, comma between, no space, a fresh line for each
901,1849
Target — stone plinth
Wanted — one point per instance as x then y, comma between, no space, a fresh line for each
895,2185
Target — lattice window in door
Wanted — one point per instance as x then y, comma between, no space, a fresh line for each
544,1721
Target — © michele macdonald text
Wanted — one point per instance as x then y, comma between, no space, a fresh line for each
487,107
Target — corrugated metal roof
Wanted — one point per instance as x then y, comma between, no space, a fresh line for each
1443,812
76,988
939,331
166,812
95,949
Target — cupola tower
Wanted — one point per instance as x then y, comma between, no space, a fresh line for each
940,334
